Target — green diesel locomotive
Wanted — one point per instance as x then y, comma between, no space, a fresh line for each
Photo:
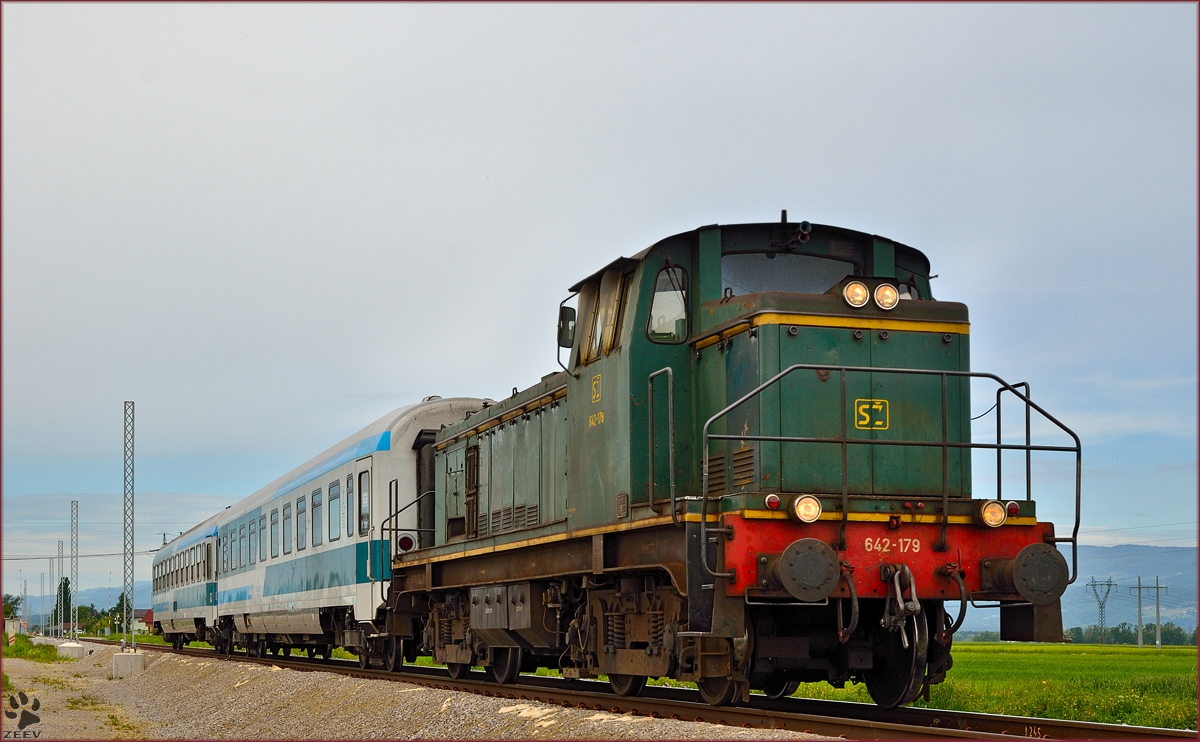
753,471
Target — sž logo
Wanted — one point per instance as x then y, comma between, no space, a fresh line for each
22,706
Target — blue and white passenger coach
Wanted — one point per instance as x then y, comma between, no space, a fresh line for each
304,561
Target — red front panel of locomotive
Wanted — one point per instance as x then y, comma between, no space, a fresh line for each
872,544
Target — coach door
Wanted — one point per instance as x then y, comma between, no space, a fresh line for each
368,554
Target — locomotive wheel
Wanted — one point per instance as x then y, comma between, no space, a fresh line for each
458,670
252,649
627,685
718,691
312,653
506,664
776,689
393,659
897,674
364,657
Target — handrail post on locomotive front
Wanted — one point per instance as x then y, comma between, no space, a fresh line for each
670,434
845,469
943,544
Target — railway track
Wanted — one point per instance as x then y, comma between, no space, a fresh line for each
831,718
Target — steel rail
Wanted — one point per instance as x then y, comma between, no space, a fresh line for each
832,718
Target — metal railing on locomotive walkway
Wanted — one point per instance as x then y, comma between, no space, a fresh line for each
945,444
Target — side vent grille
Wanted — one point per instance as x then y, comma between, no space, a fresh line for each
716,475
511,519
743,467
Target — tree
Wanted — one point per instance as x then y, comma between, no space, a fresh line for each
987,636
1172,634
12,605
62,603
118,612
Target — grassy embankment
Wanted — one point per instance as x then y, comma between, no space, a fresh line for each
1085,682
25,649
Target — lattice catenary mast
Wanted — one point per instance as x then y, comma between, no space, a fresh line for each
74,570
129,522
62,595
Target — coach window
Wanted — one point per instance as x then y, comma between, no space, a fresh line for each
225,553
318,524
287,528
335,511
364,502
350,505
668,321
275,533
301,524
262,537
242,546
253,540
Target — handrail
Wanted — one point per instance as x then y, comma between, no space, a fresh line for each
389,525
670,434
945,444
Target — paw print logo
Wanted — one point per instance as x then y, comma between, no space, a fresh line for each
26,709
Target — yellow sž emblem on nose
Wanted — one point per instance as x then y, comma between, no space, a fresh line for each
871,414
595,388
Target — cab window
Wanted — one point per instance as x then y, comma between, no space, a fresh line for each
752,272
668,322
602,315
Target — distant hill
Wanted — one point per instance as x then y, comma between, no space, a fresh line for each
1175,567
98,596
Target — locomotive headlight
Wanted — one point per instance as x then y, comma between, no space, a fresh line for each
856,293
886,296
806,508
991,513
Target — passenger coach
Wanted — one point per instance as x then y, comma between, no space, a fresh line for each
304,561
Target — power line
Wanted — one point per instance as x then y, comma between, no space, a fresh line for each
26,558
1088,529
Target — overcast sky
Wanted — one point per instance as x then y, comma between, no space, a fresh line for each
270,224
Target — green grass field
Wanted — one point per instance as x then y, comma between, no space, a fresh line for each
1085,682
25,649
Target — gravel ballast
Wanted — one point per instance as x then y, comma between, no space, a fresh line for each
182,697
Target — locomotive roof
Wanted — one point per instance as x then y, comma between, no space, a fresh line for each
622,262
